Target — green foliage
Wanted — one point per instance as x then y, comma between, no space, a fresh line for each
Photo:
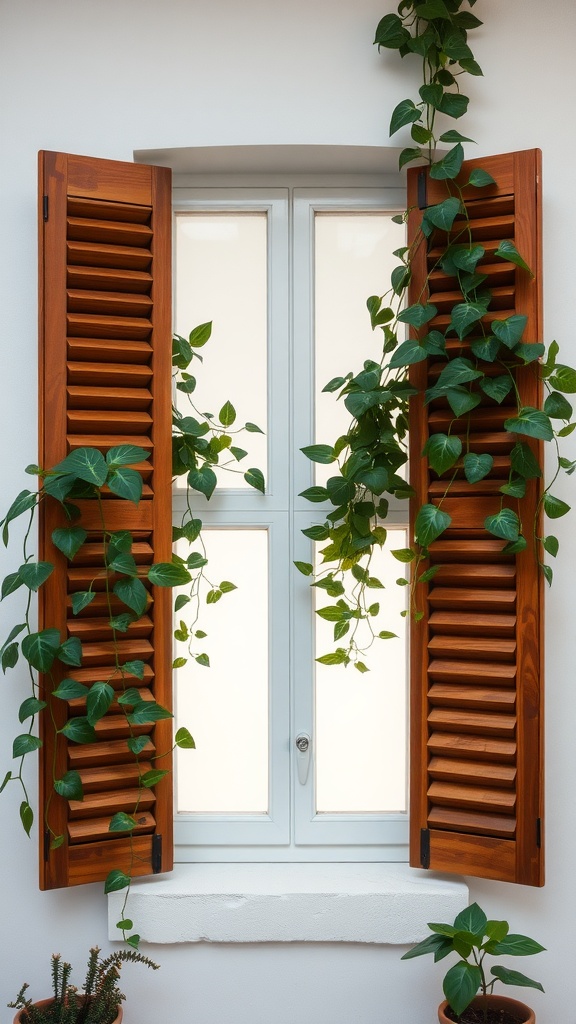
366,461
201,448
472,937
99,999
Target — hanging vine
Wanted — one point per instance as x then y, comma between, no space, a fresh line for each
201,448
368,458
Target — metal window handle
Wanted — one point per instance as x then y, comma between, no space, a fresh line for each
303,756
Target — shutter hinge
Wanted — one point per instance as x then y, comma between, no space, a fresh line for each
45,207
156,854
422,190
538,832
46,845
425,847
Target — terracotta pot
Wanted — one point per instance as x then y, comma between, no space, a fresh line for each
46,1002
497,1002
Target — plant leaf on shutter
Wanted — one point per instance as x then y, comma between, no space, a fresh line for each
476,655
105,365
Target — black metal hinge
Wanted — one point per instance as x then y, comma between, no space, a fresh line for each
538,832
46,845
425,847
45,207
422,190
156,854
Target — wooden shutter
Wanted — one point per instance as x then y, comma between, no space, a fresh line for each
476,657
105,374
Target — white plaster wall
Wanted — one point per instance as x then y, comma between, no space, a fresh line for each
107,77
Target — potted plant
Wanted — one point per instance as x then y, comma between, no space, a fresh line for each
98,1002
473,937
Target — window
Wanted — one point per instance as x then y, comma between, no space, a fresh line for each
284,274
474,702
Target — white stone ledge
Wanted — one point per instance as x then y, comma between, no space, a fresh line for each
371,903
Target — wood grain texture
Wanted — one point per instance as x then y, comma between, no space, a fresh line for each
105,369
476,666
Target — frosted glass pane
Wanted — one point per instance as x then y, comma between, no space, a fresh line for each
221,275
353,260
361,719
225,707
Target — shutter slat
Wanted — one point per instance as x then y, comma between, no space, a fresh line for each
90,554
88,831
462,489
97,254
447,768
487,600
476,550
94,421
467,624
475,671
503,298
99,629
87,325
96,804
445,794
477,647
79,703
454,574
130,399
106,441
475,747
78,206
476,823
481,418
113,727
118,303
471,696
106,378
105,754
114,776
111,232
108,280
473,722
115,350
108,375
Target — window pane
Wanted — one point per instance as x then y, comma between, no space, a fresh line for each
221,275
226,706
353,260
361,718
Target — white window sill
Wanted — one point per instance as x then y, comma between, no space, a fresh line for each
370,903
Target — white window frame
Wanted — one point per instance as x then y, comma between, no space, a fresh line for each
291,830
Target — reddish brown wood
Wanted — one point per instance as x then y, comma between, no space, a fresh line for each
96,804
477,723
469,771
469,624
471,696
447,794
97,779
486,857
91,861
105,754
88,830
481,747
105,371
477,654
479,648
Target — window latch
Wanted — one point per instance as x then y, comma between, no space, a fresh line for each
303,756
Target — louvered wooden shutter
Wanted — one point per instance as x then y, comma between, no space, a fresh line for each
105,371
476,657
